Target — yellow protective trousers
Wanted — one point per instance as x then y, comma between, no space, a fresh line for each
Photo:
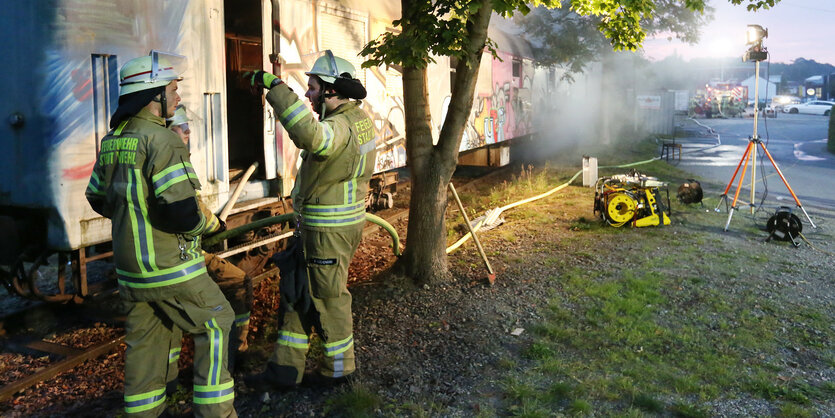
237,288
328,253
205,313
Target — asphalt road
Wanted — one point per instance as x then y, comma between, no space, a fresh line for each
714,149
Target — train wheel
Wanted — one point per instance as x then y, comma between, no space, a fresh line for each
34,276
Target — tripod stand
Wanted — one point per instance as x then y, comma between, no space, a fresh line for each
751,155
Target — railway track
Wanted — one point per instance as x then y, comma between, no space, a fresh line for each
64,357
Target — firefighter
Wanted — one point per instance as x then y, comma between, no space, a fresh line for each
338,153
235,284
143,181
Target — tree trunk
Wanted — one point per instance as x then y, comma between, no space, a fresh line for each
424,259
431,166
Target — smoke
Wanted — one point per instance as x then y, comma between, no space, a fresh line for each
577,112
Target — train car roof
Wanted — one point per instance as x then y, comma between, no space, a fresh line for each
508,37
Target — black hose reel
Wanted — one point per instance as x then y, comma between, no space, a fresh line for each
784,226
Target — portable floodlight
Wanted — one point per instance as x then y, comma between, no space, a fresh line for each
756,52
755,34
754,37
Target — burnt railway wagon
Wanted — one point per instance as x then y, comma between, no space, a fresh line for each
61,85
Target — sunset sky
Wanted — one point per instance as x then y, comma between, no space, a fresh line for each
796,28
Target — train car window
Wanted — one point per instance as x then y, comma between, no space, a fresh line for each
105,83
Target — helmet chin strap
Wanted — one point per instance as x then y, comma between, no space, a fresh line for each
321,103
163,103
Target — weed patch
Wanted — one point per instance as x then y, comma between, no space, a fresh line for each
356,402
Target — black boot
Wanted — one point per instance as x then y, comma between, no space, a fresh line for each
270,380
314,379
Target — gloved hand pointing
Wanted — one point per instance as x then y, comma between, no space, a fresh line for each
262,79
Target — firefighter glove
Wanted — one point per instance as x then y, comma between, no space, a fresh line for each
262,79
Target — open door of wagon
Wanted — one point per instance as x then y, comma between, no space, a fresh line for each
251,122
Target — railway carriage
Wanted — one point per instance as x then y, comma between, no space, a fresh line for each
61,86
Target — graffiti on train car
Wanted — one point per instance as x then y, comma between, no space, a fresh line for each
504,111
68,100
303,41
502,103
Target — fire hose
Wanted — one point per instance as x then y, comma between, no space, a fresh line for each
492,215
287,217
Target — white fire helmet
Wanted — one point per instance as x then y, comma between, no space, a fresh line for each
157,69
179,117
329,68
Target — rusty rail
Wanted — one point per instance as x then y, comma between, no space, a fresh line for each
73,357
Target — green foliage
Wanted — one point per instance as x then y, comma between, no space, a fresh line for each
754,5
576,42
443,27
800,69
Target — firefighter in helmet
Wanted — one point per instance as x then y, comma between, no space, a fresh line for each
143,181
235,284
338,153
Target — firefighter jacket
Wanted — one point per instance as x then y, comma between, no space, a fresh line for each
338,156
143,181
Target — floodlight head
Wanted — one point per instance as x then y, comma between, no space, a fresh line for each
755,34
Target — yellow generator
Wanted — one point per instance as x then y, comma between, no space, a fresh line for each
631,198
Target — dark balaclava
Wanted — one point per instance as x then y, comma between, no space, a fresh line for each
344,86
130,104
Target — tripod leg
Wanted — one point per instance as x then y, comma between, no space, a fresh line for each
744,158
723,198
730,215
739,185
807,217
786,182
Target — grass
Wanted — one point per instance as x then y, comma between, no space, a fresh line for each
629,338
640,322
356,402
667,332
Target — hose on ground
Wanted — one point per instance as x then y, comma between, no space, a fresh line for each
493,214
813,247
395,244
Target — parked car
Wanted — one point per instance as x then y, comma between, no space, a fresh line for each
815,107
781,101
767,111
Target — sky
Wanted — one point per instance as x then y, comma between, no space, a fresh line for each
796,28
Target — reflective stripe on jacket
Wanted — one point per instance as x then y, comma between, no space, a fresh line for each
338,158
142,166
